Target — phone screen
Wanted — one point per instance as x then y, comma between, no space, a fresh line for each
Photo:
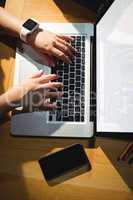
58,163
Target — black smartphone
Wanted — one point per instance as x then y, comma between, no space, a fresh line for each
64,164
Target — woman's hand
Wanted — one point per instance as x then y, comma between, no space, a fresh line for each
54,45
39,86
46,42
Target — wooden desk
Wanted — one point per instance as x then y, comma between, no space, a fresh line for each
20,175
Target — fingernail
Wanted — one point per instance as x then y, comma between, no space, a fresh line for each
40,71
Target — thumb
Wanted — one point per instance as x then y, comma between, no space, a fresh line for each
38,74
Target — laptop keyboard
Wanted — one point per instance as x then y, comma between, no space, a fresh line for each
72,104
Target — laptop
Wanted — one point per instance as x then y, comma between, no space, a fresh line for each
102,76
73,117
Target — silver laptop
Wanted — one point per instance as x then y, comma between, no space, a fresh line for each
73,119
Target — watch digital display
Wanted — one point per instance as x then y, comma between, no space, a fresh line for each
30,24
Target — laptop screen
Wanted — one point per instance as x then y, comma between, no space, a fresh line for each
114,60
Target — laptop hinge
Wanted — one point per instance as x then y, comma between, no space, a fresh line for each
92,79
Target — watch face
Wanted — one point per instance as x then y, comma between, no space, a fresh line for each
30,24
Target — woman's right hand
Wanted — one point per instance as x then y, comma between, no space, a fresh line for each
53,45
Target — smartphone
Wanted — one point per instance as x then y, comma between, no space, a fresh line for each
64,164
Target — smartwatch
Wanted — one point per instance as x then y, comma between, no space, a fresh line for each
28,27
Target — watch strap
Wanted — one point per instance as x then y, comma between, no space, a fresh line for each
23,34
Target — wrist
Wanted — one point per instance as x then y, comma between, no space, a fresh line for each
32,37
18,26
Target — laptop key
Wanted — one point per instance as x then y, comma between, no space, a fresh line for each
71,118
60,80
72,69
83,38
71,87
58,116
60,73
82,92
71,99
71,75
65,94
78,44
77,102
82,118
65,101
71,112
65,88
83,56
83,62
77,117
78,66
83,49
71,93
77,109
50,117
65,82
78,60
71,106
77,90
82,112
77,84
77,78
78,38
71,81
65,76
66,70
78,72
65,119
65,107
77,96
83,44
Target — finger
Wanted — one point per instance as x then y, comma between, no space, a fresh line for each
51,85
48,106
38,74
68,45
50,60
47,59
53,90
47,78
65,37
54,94
65,48
61,56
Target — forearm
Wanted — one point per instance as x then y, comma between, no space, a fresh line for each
4,104
11,24
11,98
